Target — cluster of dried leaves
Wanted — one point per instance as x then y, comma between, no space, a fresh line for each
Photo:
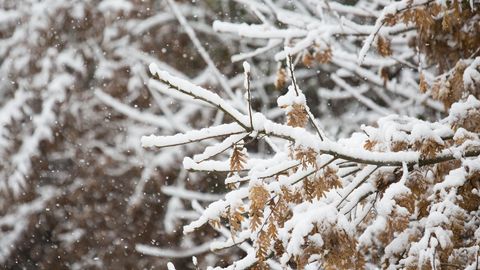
443,45
447,35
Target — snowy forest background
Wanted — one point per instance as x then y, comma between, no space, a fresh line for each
311,134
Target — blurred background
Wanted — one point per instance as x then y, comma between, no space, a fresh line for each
77,190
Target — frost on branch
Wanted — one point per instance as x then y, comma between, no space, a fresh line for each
397,195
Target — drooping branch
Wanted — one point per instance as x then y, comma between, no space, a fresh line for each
192,136
200,93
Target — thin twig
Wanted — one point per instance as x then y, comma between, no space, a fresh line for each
249,96
350,173
356,186
200,139
311,119
421,162
292,74
370,209
314,171
266,176
223,150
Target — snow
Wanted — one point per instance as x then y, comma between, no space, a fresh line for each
242,56
305,215
182,193
211,165
399,244
457,177
188,88
18,219
10,111
332,210
258,31
369,103
191,136
424,132
240,264
72,236
83,102
459,110
216,149
454,179
172,253
471,75
212,212
243,236
42,122
170,266
8,17
115,6
73,60
246,67
290,98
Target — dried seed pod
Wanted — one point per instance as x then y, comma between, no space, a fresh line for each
281,79
258,196
238,159
390,19
324,56
306,157
384,46
297,116
369,144
423,85
308,59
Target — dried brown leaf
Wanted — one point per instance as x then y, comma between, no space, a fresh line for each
297,116
281,79
383,46
237,159
324,56
306,157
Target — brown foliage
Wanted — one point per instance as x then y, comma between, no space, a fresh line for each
323,56
308,59
297,116
281,79
237,159
258,197
307,157
470,122
383,46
